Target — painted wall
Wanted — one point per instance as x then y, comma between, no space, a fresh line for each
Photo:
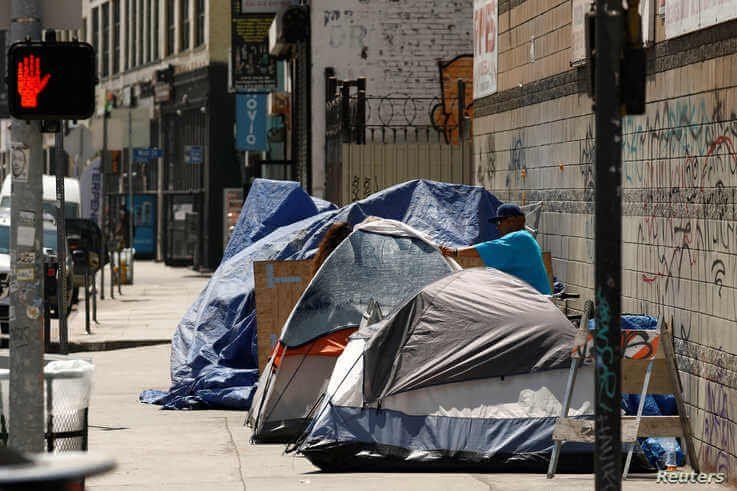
680,187
396,44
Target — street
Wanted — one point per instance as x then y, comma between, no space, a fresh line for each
203,450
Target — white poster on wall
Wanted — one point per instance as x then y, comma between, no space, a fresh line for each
578,30
485,47
684,16
579,8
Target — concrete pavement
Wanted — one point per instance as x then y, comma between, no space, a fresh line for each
146,313
210,450
204,450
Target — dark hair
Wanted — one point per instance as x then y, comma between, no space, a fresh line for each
332,239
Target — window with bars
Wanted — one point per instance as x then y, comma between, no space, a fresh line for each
155,35
147,21
96,32
184,42
105,41
126,47
141,38
171,27
133,29
200,18
116,35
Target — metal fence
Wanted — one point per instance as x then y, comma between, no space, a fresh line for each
374,142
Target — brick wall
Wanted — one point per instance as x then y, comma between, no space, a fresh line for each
680,164
395,44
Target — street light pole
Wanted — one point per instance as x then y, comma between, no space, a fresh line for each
609,45
26,425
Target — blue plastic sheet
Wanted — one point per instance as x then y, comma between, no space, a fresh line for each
213,355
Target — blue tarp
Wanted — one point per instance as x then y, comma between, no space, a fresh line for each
213,354
655,405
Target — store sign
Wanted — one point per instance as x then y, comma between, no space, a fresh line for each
485,47
251,122
262,6
684,16
253,68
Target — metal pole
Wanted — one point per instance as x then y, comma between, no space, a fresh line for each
461,89
105,166
61,237
130,178
87,303
609,46
26,295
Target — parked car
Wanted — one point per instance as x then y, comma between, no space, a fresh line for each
51,270
72,209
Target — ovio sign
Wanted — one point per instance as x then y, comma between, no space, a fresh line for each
251,122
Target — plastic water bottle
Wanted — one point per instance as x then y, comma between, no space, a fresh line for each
670,458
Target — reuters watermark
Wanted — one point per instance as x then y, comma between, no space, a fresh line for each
671,477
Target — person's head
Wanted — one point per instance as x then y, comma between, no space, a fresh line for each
336,234
509,218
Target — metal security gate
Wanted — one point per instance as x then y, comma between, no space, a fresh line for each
372,143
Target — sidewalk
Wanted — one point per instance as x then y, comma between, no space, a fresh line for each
210,450
146,313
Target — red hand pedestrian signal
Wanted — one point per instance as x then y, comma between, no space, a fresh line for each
30,83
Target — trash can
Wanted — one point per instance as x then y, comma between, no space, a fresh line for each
126,265
67,389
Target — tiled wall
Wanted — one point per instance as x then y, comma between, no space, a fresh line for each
535,142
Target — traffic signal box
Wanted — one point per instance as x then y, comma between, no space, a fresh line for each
51,81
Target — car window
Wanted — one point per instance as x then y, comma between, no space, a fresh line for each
4,239
50,238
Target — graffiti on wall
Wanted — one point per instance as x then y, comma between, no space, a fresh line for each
681,178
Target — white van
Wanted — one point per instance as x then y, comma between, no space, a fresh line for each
72,196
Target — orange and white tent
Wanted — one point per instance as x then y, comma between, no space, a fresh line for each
382,264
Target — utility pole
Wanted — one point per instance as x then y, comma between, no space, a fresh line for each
131,213
26,294
619,65
61,238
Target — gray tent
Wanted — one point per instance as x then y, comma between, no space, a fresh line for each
465,373
382,264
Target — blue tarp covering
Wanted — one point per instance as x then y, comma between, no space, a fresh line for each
655,405
213,354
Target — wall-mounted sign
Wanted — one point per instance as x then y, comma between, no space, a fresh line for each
253,68
142,155
485,47
250,117
683,16
194,154
162,93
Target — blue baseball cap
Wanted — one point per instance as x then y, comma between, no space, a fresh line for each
505,211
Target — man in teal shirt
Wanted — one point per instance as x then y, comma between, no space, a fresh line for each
515,251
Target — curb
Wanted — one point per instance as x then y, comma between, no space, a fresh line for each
108,345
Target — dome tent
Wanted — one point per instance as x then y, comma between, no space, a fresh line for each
464,374
380,265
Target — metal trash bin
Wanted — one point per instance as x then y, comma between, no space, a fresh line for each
67,387
126,265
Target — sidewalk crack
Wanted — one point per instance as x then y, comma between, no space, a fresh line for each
237,453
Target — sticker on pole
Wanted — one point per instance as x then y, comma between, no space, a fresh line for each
20,154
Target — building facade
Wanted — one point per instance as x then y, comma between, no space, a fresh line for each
534,140
396,46
164,80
